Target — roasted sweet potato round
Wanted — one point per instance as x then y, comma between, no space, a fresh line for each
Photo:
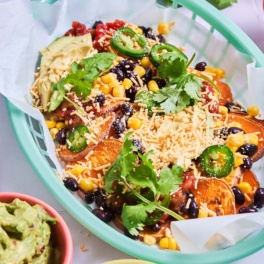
250,125
225,93
216,195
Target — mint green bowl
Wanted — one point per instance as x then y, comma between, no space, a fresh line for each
30,137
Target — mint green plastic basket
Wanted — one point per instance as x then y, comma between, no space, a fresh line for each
30,137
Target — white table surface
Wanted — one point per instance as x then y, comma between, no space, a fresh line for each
16,175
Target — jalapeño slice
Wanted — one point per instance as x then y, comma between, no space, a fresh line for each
217,161
76,140
126,39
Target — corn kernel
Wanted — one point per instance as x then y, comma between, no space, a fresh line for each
238,159
202,214
108,78
173,245
50,123
77,170
106,89
153,86
163,28
60,125
232,148
235,124
145,62
119,91
134,123
139,70
253,110
236,140
251,139
218,123
223,110
127,83
244,187
86,184
149,240
210,69
164,243
53,132
219,74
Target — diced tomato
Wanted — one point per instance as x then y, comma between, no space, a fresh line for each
78,29
188,181
208,92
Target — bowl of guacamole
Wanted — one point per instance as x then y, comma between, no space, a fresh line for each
31,231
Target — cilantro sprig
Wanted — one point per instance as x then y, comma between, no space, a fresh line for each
137,176
80,79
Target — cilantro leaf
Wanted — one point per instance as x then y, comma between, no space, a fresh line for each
134,216
170,179
192,87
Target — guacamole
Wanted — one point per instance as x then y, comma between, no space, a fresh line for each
25,234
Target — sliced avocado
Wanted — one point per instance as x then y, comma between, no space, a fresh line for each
71,47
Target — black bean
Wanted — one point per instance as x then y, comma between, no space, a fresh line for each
61,136
239,196
200,66
119,127
248,149
147,76
244,210
259,198
193,210
131,92
119,73
126,65
161,82
89,197
100,98
98,22
137,143
71,184
104,215
155,227
161,38
235,130
127,109
247,163
233,107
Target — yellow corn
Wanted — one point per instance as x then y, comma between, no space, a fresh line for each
251,139
145,62
77,170
238,159
108,78
235,124
223,110
235,140
163,28
127,83
244,187
168,243
53,132
149,240
119,91
253,110
134,123
218,123
86,184
139,70
202,214
60,125
106,89
153,86
219,74
210,69
232,148
50,123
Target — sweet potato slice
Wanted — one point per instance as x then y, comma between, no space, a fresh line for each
225,93
67,155
251,125
249,177
216,195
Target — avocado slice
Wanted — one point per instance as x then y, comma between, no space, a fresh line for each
60,54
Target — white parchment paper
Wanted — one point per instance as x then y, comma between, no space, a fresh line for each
27,27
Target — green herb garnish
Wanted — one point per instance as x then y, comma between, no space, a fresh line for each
81,78
135,177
